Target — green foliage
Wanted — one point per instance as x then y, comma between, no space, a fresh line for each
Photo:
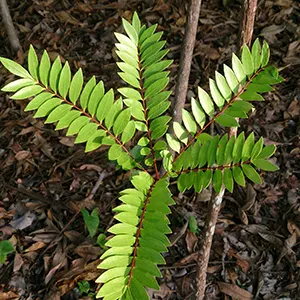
134,127
6,247
91,220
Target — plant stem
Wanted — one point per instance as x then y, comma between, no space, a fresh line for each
186,60
245,37
9,26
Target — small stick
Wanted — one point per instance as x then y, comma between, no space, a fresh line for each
186,56
9,26
245,35
186,60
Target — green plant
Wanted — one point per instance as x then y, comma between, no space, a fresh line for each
91,220
96,118
6,247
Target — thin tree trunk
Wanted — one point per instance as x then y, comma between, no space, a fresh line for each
186,60
9,26
245,35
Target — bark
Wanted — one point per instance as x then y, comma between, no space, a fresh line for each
186,60
9,27
246,31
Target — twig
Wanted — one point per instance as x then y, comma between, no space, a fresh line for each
186,56
186,59
246,32
9,26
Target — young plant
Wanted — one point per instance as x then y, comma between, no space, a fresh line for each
139,115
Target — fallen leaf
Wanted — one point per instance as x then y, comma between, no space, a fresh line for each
36,246
9,295
51,273
234,291
191,241
23,221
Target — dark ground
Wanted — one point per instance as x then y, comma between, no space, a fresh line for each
44,178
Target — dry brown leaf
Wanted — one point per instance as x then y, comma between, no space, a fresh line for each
191,241
9,295
65,17
250,198
22,155
234,291
18,262
51,273
232,275
36,246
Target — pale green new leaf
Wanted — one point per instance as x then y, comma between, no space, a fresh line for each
206,102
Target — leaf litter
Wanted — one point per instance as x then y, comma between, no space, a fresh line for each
255,251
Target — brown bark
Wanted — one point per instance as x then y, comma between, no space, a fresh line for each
245,35
186,60
9,26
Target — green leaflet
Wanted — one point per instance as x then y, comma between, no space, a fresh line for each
64,80
15,68
33,63
54,74
76,86
44,68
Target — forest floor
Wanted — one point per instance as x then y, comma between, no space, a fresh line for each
45,178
